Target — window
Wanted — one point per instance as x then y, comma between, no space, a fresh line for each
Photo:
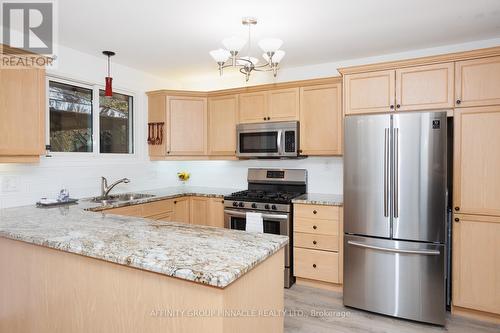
73,123
70,118
115,123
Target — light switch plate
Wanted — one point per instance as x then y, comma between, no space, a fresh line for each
10,184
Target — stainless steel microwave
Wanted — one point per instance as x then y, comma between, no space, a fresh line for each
276,139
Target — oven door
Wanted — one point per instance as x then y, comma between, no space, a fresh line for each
259,143
274,223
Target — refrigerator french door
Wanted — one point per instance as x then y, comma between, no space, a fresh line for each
395,205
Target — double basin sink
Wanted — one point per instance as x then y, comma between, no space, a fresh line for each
113,198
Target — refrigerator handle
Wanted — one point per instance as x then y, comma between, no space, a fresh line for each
396,173
385,249
386,172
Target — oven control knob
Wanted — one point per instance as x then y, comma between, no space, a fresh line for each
273,207
266,206
241,204
235,204
254,205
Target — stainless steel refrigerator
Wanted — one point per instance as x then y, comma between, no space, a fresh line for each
395,208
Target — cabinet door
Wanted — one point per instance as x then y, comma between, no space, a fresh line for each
216,213
187,123
476,186
22,113
157,112
478,82
181,210
476,262
253,107
134,210
222,119
369,92
284,104
199,210
321,120
425,87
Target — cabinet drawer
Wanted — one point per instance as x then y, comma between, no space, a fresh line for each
316,265
317,242
134,210
317,211
316,226
158,207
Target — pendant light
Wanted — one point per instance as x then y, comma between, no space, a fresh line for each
108,92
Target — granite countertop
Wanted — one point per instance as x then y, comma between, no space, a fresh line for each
320,199
202,254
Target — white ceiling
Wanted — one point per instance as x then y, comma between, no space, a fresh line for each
172,38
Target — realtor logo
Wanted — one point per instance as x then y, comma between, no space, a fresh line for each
28,26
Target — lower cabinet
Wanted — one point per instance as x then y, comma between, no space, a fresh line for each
317,252
476,263
188,209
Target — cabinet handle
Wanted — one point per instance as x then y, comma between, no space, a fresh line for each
314,265
265,118
168,152
457,219
392,107
268,118
398,106
315,212
175,202
314,242
315,227
300,151
457,208
459,101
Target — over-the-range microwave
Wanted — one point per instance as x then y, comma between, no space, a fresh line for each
271,140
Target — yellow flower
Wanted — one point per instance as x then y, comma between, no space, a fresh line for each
183,175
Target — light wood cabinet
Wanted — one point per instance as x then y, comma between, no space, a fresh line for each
253,107
186,126
134,210
22,114
182,210
157,114
476,262
216,212
318,246
425,87
199,210
476,186
369,92
283,104
222,119
478,82
321,120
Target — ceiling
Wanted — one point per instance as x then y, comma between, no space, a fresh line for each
172,38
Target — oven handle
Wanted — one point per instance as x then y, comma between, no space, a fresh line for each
264,216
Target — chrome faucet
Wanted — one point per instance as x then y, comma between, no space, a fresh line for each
105,189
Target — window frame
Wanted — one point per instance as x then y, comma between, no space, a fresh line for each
95,120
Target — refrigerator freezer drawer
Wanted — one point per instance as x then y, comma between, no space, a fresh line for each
396,278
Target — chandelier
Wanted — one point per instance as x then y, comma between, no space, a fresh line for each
229,57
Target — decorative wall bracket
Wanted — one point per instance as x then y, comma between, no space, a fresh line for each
155,133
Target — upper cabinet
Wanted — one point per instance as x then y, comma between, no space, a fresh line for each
476,186
222,119
271,105
406,89
425,87
283,104
321,120
478,82
186,125
369,92
253,107
22,115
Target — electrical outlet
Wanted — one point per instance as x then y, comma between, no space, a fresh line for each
10,184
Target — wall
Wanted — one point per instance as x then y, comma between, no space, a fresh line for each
23,184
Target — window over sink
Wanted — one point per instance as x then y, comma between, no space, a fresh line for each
74,127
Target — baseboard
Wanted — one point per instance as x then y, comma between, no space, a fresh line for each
319,284
475,314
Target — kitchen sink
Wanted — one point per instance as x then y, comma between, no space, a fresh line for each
120,197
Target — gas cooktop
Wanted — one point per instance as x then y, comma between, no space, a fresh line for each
263,196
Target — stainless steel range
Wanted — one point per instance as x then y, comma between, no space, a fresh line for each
270,193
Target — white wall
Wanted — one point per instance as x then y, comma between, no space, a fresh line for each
24,184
